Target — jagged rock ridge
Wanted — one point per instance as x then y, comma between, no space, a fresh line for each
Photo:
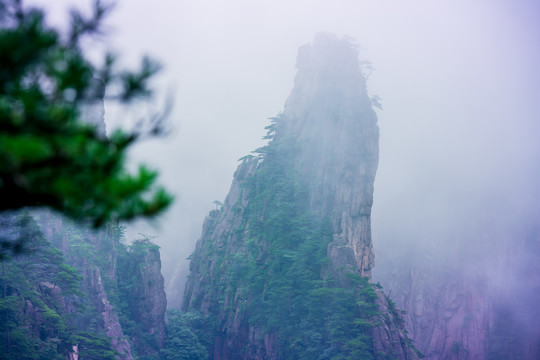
292,242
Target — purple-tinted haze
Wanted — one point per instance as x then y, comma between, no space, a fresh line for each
459,84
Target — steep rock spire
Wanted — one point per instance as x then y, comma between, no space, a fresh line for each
330,114
283,268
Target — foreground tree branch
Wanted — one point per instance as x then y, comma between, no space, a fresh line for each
49,157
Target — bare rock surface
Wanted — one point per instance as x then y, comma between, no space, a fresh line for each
111,324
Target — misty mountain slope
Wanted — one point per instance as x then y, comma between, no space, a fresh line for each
282,269
78,291
474,293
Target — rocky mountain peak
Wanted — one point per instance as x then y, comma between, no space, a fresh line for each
285,264
330,114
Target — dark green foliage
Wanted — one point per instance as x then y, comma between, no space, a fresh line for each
93,347
187,337
68,279
124,291
128,287
120,290
48,155
276,276
44,310
141,246
101,249
337,324
33,287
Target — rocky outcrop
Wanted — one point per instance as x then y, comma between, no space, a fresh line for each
217,226
446,314
105,289
116,278
80,245
330,114
475,297
389,337
109,317
142,269
320,164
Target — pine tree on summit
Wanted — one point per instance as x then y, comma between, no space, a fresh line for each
49,157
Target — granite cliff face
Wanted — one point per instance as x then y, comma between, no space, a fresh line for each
141,272
475,295
80,246
118,281
121,286
283,266
330,114
107,313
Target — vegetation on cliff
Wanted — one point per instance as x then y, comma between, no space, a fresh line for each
286,258
272,274
51,301
48,153
188,336
42,306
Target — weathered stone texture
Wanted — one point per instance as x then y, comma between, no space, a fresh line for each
111,325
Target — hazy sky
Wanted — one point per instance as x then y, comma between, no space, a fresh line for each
458,82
